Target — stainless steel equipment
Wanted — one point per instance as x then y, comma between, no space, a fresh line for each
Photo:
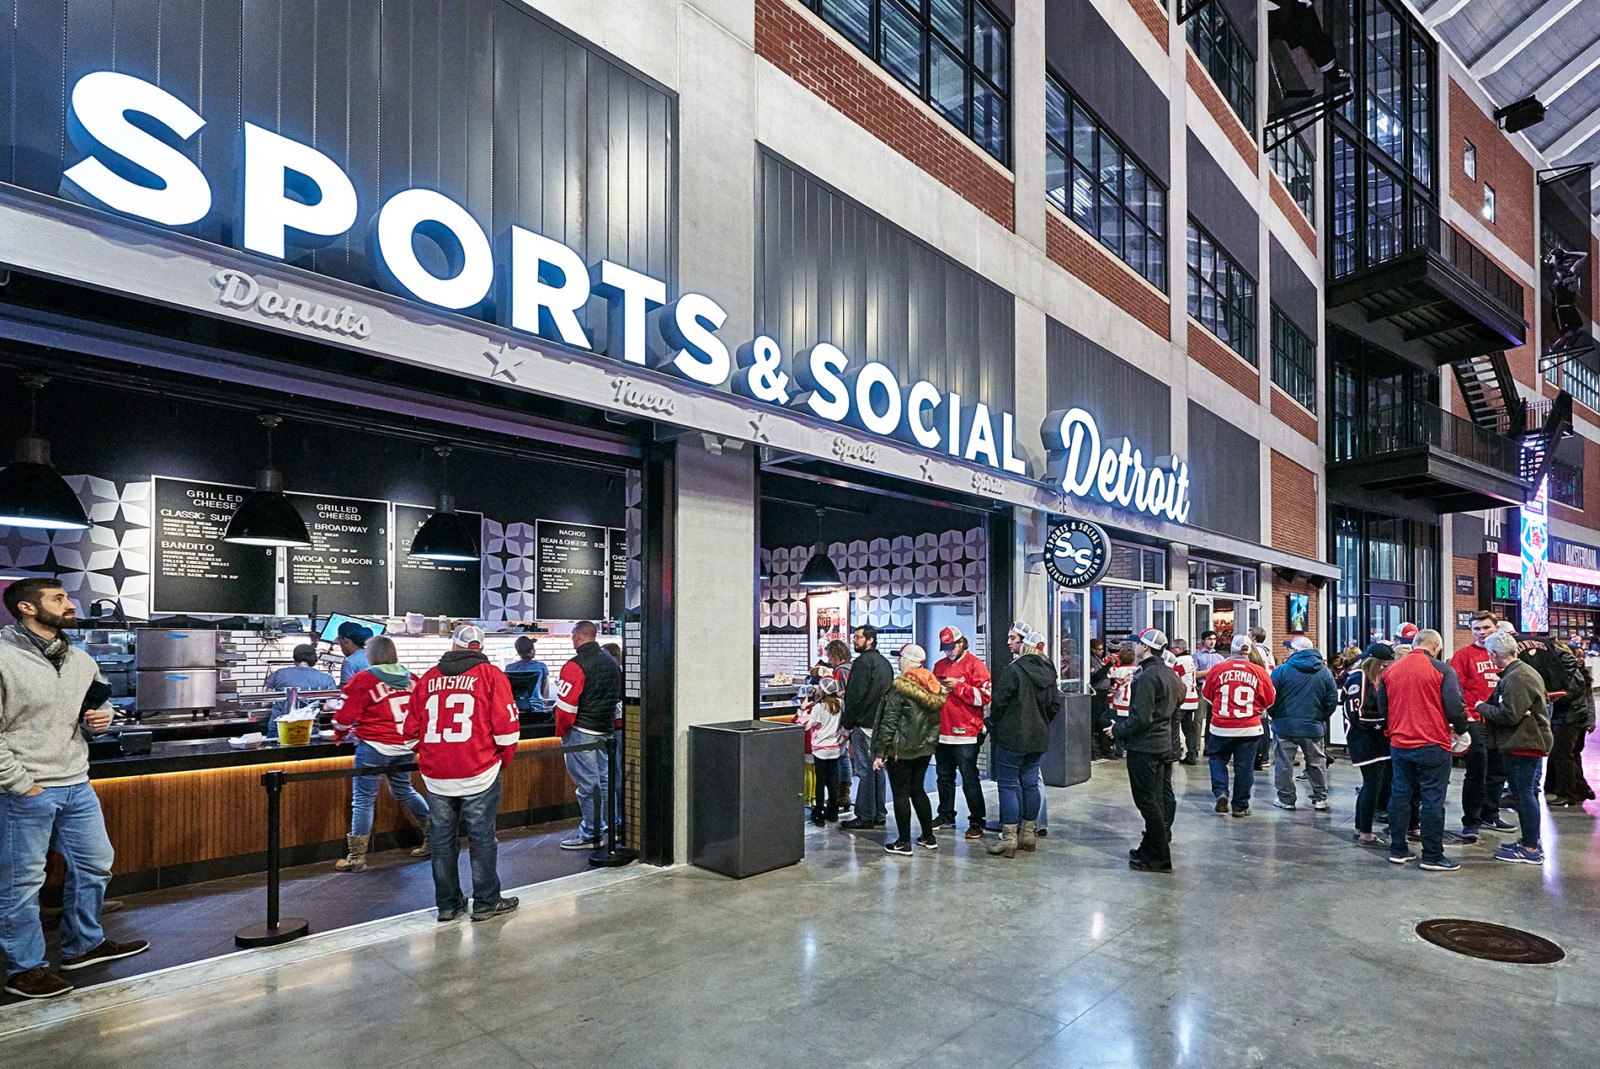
159,647
171,689
183,670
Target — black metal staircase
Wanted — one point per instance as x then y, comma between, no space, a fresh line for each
1544,424
1493,402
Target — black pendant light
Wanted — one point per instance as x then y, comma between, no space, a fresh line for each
32,492
445,536
820,570
267,517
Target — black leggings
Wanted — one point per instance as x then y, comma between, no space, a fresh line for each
908,780
826,774
1374,784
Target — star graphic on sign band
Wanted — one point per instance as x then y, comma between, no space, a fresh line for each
505,362
927,469
759,426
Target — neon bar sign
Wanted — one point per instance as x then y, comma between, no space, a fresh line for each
293,197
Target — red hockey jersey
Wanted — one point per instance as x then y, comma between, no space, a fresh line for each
465,724
961,719
1478,676
375,708
1240,692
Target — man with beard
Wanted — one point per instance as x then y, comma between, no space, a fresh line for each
46,707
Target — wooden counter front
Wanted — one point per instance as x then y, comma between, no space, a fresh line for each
182,827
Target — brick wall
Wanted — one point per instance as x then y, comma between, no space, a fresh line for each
1154,16
1108,276
1294,506
1223,362
1201,85
1297,218
796,42
1500,165
1287,410
1279,629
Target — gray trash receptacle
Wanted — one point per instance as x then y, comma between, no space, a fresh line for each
1067,760
746,804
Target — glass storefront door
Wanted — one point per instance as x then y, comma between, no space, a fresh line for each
1070,640
1161,611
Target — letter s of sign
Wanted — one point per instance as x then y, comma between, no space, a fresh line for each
693,351
143,176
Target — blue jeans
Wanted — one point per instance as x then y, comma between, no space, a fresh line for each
950,758
1242,750
590,772
1017,776
479,812
1424,770
872,793
364,789
1523,772
71,815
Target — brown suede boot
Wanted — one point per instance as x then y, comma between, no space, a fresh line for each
356,859
1028,837
1006,845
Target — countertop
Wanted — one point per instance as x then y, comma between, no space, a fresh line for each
187,755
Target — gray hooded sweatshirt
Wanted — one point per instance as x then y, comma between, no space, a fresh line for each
40,708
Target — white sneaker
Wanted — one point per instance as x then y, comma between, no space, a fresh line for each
1321,807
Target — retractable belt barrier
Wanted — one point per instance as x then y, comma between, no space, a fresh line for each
278,929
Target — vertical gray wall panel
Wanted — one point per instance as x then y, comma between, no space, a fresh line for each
1224,476
1089,56
1125,402
483,102
1219,207
1292,291
830,270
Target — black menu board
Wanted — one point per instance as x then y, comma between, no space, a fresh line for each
570,570
192,570
434,588
617,605
347,566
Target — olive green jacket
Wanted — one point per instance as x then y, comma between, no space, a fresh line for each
908,722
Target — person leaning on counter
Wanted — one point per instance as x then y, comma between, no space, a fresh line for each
303,675
51,697
352,643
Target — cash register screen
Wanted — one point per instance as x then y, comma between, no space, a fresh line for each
330,630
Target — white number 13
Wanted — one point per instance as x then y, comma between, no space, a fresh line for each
459,707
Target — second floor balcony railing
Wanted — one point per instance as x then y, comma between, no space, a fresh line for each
1399,428
1380,238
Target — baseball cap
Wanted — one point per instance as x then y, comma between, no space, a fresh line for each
1300,642
1381,650
1240,644
1153,638
468,637
828,685
1033,640
1408,631
1021,627
948,637
913,655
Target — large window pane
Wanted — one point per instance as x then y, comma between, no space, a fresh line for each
949,17
947,84
989,46
853,18
989,119
900,39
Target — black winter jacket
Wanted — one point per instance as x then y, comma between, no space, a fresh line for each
1025,701
1560,671
870,680
1152,724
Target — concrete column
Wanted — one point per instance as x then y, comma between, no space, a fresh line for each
714,590
1027,119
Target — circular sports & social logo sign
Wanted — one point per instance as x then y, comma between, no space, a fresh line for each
1077,554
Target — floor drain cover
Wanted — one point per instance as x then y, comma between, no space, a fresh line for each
1491,942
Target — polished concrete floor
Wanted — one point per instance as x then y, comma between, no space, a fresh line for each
196,921
1276,943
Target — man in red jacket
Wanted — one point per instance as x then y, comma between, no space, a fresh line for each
1480,791
967,690
464,721
1420,697
587,693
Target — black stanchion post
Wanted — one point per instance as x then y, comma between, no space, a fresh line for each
611,855
276,930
